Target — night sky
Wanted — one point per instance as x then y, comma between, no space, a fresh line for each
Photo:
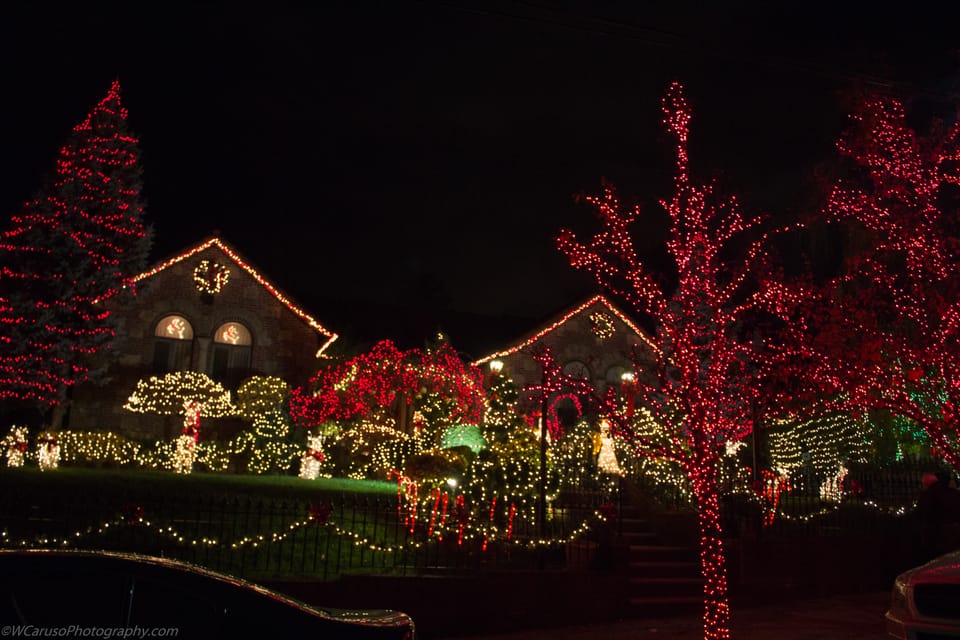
399,167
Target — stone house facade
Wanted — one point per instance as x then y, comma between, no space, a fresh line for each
594,340
209,310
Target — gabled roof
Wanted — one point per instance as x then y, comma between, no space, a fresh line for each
240,262
537,335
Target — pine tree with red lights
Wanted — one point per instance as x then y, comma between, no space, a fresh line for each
703,388
73,248
888,329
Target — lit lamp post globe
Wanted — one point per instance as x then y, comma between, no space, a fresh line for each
627,380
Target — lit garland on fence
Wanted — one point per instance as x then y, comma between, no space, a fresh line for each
483,534
320,518
452,527
275,292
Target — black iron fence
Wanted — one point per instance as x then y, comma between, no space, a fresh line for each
854,501
264,537
267,538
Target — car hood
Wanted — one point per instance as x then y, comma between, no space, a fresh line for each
945,568
369,617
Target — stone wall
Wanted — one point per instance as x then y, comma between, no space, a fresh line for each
283,344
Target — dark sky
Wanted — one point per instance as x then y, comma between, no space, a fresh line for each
401,165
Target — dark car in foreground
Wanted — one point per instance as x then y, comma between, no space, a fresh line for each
925,602
43,590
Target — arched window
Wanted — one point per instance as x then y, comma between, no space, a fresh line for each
232,346
233,333
615,375
577,369
172,344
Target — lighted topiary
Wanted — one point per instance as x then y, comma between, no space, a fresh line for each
436,466
185,393
261,400
48,451
97,447
15,446
165,395
389,393
467,435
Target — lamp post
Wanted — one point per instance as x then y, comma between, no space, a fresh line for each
542,488
629,391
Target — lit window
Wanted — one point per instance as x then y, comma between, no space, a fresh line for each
174,327
232,333
577,369
229,361
173,344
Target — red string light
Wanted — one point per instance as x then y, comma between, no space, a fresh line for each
375,381
74,246
704,381
273,290
527,342
884,333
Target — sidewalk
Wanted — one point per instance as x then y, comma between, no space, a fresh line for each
843,617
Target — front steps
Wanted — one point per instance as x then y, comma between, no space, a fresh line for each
664,578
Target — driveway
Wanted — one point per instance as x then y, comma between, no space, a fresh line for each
846,617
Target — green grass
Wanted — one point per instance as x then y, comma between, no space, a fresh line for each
225,507
130,482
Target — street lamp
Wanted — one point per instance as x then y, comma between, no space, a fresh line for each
627,380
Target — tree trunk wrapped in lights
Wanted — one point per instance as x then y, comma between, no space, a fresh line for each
705,382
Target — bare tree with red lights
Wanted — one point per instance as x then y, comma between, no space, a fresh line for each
74,247
708,371
888,332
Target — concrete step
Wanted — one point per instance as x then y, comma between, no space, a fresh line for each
665,587
638,538
657,607
661,553
664,569
634,524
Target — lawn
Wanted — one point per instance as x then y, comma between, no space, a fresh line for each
261,526
26,481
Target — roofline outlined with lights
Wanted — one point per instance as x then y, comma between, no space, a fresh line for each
233,255
556,325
